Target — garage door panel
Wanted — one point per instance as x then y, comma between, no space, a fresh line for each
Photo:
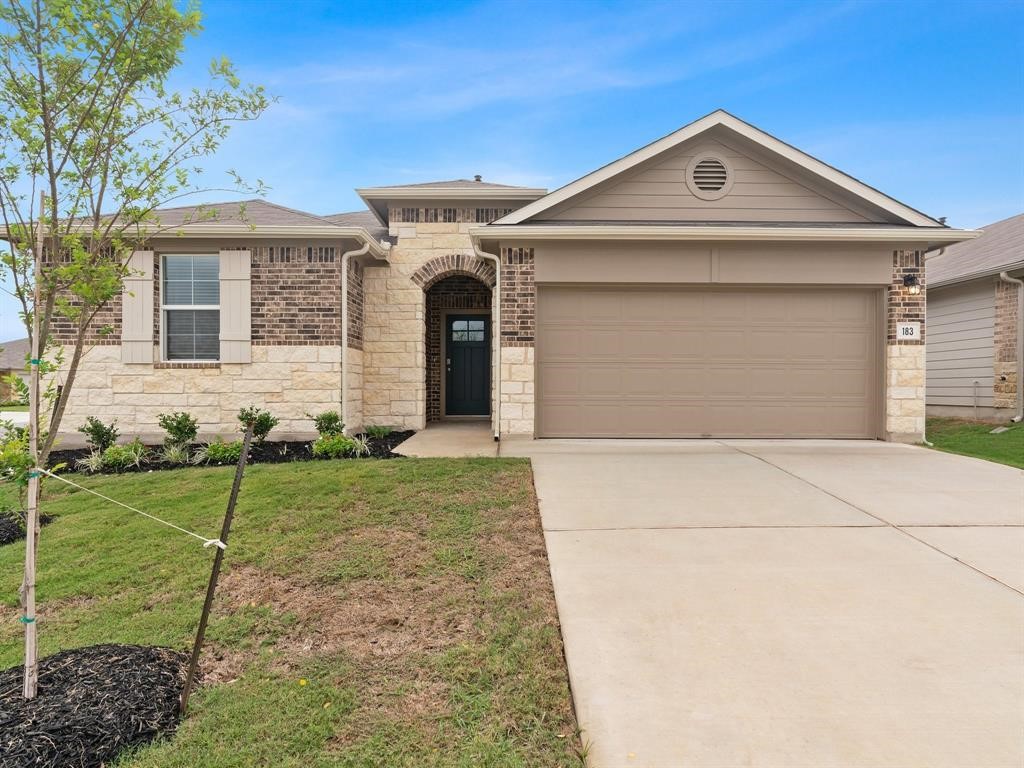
634,362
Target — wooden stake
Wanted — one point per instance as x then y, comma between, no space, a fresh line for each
28,584
211,588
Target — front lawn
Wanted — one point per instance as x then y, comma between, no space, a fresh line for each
972,438
373,613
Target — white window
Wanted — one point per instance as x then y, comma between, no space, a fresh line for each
190,290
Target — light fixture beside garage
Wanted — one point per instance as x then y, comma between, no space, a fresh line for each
912,284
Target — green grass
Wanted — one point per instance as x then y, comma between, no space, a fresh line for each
412,596
971,438
15,407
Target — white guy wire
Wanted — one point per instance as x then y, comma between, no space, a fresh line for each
206,542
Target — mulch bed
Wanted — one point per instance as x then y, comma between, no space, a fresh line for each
92,703
11,529
270,452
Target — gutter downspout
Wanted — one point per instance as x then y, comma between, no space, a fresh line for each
495,338
344,330
1005,277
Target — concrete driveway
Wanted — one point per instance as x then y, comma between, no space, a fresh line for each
774,603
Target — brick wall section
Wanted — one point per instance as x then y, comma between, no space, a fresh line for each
902,307
518,297
450,294
296,295
398,215
1005,345
454,264
355,305
296,298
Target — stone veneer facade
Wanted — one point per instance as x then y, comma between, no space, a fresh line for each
905,360
1005,362
393,353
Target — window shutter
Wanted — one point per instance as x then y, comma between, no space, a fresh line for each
235,307
137,309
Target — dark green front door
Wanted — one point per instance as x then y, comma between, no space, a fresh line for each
468,365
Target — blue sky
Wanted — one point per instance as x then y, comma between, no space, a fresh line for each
924,101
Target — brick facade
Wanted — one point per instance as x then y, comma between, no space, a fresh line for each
454,264
445,296
518,298
1005,362
905,359
902,306
355,305
398,215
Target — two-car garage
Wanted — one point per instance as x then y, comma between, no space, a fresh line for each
700,361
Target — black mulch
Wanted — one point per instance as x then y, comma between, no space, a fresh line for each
11,529
92,703
270,452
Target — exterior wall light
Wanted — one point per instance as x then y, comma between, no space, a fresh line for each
912,284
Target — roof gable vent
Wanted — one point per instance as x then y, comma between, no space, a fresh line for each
709,176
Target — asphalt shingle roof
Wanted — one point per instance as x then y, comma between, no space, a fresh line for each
1000,247
12,354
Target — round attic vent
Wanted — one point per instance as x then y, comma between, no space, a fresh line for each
709,177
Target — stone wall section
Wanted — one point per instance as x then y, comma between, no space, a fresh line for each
905,360
289,381
517,390
1005,362
353,410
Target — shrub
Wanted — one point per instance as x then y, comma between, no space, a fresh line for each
121,457
181,428
98,435
15,460
262,421
219,452
18,388
328,423
378,432
175,453
92,463
333,447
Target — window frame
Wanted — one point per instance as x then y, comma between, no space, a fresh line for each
165,308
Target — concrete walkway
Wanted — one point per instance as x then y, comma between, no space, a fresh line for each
456,439
769,603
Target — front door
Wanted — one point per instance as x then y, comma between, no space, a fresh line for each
467,364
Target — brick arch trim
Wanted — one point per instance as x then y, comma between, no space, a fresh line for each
454,264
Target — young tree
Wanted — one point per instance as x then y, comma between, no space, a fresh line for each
92,142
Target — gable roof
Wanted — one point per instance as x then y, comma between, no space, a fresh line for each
722,118
256,212
376,198
999,249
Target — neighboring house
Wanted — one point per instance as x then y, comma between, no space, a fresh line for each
974,321
717,282
13,358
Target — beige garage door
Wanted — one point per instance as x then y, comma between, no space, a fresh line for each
635,362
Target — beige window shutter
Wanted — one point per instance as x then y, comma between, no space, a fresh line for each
235,307
137,309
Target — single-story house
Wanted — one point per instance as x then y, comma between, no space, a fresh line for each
716,282
13,358
975,331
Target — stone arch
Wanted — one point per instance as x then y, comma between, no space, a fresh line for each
454,264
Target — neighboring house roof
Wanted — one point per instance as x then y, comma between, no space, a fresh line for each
377,198
999,249
12,354
824,172
365,219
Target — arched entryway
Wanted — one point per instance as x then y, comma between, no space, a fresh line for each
458,347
